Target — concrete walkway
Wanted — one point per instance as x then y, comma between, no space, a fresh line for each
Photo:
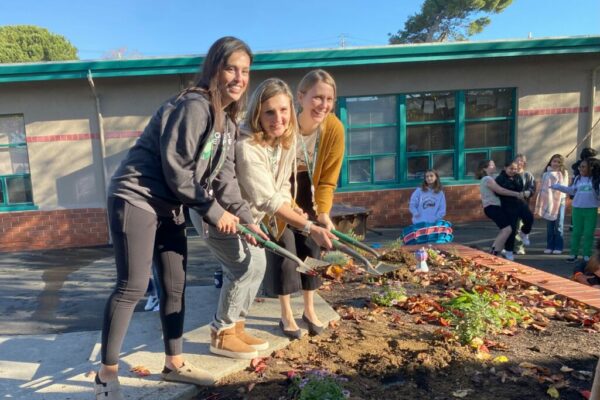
61,366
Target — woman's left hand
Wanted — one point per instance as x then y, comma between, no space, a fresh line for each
300,211
325,221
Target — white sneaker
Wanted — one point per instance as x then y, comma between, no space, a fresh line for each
547,251
157,308
503,252
151,302
586,258
520,252
556,251
509,255
525,238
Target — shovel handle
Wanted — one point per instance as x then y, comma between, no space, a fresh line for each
350,240
354,254
275,248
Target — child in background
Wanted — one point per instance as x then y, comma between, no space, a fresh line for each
514,208
550,204
428,203
586,152
588,272
584,190
529,186
489,191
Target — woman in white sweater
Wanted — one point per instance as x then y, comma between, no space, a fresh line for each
265,161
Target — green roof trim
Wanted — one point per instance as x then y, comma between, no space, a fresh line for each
305,58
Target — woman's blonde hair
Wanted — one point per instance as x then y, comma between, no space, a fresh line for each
312,78
270,88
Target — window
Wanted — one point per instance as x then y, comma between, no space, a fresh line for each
393,140
489,121
372,132
15,179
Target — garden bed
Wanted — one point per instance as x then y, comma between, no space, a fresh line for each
459,331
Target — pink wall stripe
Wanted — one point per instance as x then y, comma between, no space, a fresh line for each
555,111
74,137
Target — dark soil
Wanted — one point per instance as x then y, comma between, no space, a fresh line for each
406,351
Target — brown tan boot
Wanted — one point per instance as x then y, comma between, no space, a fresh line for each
252,341
226,343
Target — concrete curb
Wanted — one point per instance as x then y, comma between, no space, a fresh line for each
52,376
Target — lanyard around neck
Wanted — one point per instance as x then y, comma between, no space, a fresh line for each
311,165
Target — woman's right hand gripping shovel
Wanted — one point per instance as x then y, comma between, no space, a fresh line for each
309,266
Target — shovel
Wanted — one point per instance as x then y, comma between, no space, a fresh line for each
356,243
379,269
309,266
338,245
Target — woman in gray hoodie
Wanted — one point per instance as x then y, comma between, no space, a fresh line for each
185,155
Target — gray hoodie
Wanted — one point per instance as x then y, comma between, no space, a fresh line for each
164,169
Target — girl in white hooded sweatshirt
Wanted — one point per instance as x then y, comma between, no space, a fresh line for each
428,203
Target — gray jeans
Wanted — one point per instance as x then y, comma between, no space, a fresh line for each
243,270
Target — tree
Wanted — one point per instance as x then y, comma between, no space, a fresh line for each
443,20
28,43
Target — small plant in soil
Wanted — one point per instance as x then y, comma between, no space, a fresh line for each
391,295
317,385
476,314
336,258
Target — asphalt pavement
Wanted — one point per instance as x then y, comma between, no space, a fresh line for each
58,291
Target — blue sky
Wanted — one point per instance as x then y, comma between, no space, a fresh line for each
184,27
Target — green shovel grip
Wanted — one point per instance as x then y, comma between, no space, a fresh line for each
274,247
350,240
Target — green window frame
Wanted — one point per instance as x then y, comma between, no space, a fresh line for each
451,140
15,178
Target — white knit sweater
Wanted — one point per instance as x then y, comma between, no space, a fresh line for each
264,192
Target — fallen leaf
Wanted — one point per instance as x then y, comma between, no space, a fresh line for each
461,393
335,272
586,394
140,370
582,375
500,360
259,364
564,368
553,392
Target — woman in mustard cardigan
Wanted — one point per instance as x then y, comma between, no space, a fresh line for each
320,149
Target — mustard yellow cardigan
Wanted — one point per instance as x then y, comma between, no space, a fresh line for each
329,162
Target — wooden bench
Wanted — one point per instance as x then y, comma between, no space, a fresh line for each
348,218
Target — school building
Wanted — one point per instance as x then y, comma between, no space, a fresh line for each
65,126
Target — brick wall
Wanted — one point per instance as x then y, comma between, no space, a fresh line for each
36,230
390,207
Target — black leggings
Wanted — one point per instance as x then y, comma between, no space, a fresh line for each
515,212
139,237
285,278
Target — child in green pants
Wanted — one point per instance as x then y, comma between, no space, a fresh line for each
585,190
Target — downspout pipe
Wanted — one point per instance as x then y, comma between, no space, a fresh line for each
103,170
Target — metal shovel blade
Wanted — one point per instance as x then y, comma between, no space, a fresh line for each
357,256
385,268
311,266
